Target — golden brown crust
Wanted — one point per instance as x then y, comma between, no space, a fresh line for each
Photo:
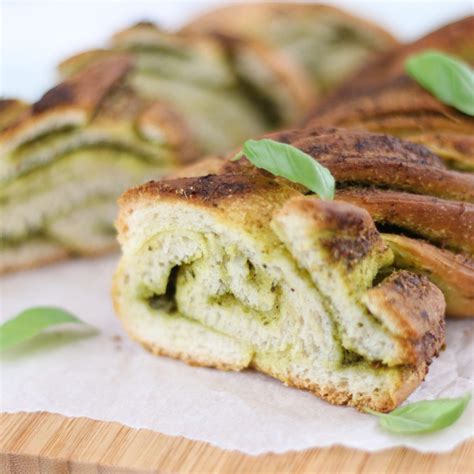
407,111
456,148
413,308
265,23
453,274
298,90
69,103
377,108
10,111
328,143
251,199
350,231
73,64
87,88
385,402
208,190
448,223
371,159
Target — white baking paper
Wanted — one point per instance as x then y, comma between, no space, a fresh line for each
108,377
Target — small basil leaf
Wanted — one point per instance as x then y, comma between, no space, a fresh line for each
287,161
31,322
447,78
423,417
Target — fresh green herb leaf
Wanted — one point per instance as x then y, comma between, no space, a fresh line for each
446,77
31,322
291,163
423,417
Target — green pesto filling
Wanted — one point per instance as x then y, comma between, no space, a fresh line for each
167,302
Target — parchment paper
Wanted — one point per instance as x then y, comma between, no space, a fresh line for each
108,377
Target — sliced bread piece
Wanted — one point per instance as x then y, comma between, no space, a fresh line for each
236,271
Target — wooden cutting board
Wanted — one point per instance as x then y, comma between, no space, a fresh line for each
47,443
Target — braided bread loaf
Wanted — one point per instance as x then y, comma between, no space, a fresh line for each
65,159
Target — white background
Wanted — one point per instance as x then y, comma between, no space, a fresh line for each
36,35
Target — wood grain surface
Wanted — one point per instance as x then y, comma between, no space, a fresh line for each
47,443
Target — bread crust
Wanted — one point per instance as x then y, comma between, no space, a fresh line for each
290,83
448,223
452,273
71,102
381,160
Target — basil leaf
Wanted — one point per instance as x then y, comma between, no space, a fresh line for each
31,322
423,417
447,78
287,161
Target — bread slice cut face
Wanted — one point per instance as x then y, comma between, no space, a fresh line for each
65,159
237,271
